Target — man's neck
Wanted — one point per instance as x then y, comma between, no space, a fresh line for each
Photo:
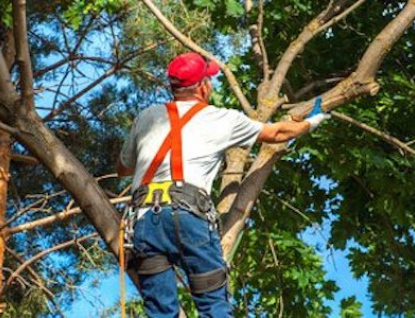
189,98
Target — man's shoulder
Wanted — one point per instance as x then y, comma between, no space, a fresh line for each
151,111
224,112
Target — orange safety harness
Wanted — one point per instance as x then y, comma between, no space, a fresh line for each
173,142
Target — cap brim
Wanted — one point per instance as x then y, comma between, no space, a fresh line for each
212,69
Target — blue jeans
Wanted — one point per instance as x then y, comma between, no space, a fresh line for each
201,252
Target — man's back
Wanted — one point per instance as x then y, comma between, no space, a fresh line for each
204,139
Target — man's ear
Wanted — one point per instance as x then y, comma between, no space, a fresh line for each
206,89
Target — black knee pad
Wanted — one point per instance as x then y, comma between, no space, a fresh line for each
209,281
153,264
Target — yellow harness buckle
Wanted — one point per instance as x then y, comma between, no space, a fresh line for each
158,193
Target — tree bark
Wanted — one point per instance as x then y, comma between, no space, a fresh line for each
5,143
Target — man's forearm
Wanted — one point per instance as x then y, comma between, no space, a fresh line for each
283,131
291,130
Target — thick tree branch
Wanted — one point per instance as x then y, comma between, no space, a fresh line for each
362,81
389,139
269,94
22,52
232,177
46,252
384,41
194,47
249,190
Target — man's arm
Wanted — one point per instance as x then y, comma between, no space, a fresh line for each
283,131
122,170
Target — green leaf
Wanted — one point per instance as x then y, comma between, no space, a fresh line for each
350,308
234,8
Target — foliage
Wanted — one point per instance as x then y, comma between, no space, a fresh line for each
341,178
81,8
350,308
6,14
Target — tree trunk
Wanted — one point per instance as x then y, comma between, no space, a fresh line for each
72,175
5,142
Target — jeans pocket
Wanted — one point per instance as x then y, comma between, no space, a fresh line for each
193,230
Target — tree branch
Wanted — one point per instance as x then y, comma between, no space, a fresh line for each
194,47
111,71
6,86
270,93
22,52
67,103
265,63
233,175
37,279
341,16
8,49
12,131
362,81
46,252
249,190
25,160
311,86
58,217
389,139
384,41
255,31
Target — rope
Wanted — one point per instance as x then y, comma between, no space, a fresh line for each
122,266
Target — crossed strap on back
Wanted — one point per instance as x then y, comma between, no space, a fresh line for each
173,142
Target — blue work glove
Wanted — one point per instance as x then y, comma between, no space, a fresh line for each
316,117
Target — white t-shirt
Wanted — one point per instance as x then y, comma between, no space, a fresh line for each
204,140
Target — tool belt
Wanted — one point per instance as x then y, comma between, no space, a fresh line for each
177,194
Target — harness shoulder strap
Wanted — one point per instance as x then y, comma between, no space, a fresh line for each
172,141
176,158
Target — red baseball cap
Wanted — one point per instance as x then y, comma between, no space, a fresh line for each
189,69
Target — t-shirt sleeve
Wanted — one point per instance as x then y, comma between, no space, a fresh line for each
244,130
128,153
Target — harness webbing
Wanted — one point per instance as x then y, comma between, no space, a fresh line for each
173,142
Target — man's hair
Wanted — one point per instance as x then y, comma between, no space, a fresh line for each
188,91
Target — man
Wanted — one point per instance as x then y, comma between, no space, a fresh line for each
174,152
